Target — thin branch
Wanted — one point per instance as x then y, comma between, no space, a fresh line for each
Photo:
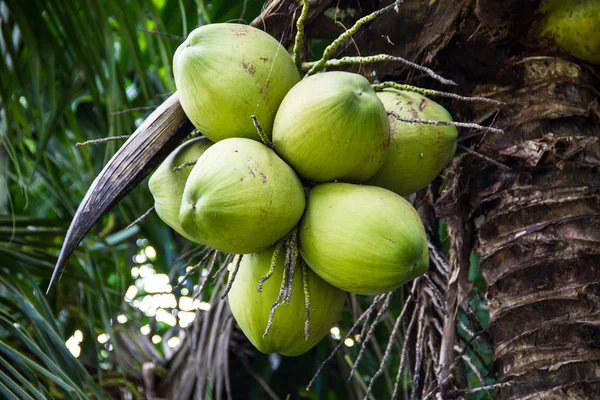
102,140
292,251
430,92
387,38
329,50
443,123
208,272
438,259
271,270
418,354
193,269
437,295
466,328
390,344
223,267
486,158
232,276
196,251
365,339
471,365
488,387
184,165
260,131
469,346
380,58
438,387
300,34
306,299
280,296
364,315
140,218
454,364
402,354
244,8
364,331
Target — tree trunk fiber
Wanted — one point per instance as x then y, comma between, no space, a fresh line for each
538,235
534,207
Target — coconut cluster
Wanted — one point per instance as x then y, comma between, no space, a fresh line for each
318,157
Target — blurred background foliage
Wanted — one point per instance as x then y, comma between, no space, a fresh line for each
76,70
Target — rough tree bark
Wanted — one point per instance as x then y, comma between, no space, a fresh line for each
528,201
536,217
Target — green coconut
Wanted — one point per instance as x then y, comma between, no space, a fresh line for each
574,25
251,308
241,197
227,72
362,239
332,126
418,152
167,185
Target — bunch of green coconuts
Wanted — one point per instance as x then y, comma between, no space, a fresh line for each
330,163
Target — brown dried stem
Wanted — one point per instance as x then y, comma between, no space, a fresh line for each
102,140
232,276
443,123
358,322
140,218
365,339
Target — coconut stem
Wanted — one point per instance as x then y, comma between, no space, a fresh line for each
388,349
365,339
292,260
277,302
363,331
443,123
211,266
330,50
193,269
102,140
411,324
306,298
285,290
260,131
222,268
271,271
232,276
380,58
358,322
430,92
300,34
140,218
185,164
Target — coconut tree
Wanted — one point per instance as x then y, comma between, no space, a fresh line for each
518,208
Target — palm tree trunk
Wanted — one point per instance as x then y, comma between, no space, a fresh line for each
538,233
532,199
